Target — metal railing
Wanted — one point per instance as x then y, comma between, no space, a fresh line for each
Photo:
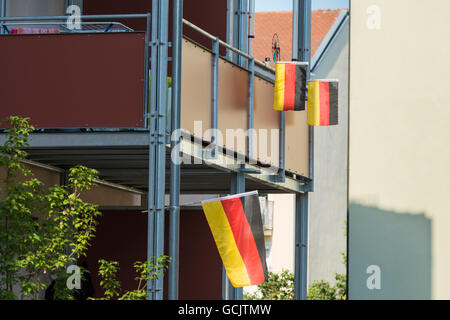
226,45
52,27
216,43
215,82
4,21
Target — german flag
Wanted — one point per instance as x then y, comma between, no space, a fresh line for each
290,86
236,226
323,102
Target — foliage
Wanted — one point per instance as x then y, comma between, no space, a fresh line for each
279,286
322,290
42,230
107,272
146,271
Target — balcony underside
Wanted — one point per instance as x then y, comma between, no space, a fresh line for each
123,158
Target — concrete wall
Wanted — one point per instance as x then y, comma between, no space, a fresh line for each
328,202
283,238
399,148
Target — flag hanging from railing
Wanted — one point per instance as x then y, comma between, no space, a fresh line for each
290,86
236,225
323,102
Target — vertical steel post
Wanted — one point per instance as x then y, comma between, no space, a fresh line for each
282,148
174,227
240,30
157,152
146,74
301,246
243,31
304,54
237,186
215,96
3,13
251,107
230,26
251,26
151,294
224,284
251,86
301,47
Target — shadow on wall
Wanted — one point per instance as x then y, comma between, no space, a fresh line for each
399,244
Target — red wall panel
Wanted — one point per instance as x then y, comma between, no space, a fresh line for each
122,236
73,80
207,14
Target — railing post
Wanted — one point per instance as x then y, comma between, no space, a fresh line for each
215,96
251,107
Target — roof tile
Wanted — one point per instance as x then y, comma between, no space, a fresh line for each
280,22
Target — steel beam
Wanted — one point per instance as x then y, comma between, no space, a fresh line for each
301,47
301,246
3,12
239,39
174,223
251,84
157,148
237,186
215,97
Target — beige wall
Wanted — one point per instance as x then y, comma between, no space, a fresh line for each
399,136
48,177
103,195
107,196
328,202
233,109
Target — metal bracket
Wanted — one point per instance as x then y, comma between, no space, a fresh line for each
249,170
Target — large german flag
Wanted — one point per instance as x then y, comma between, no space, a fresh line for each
290,86
323,102
236,226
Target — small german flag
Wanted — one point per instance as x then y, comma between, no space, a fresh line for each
236,225
323,102
290,86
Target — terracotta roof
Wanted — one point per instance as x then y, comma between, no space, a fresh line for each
280,22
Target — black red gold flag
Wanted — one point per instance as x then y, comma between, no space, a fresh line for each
290,86
323,102
236,225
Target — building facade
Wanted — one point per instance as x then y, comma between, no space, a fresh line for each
399,150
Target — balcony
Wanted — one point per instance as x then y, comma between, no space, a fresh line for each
88,95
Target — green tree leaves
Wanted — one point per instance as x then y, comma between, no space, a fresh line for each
148,270
279,286
41,230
